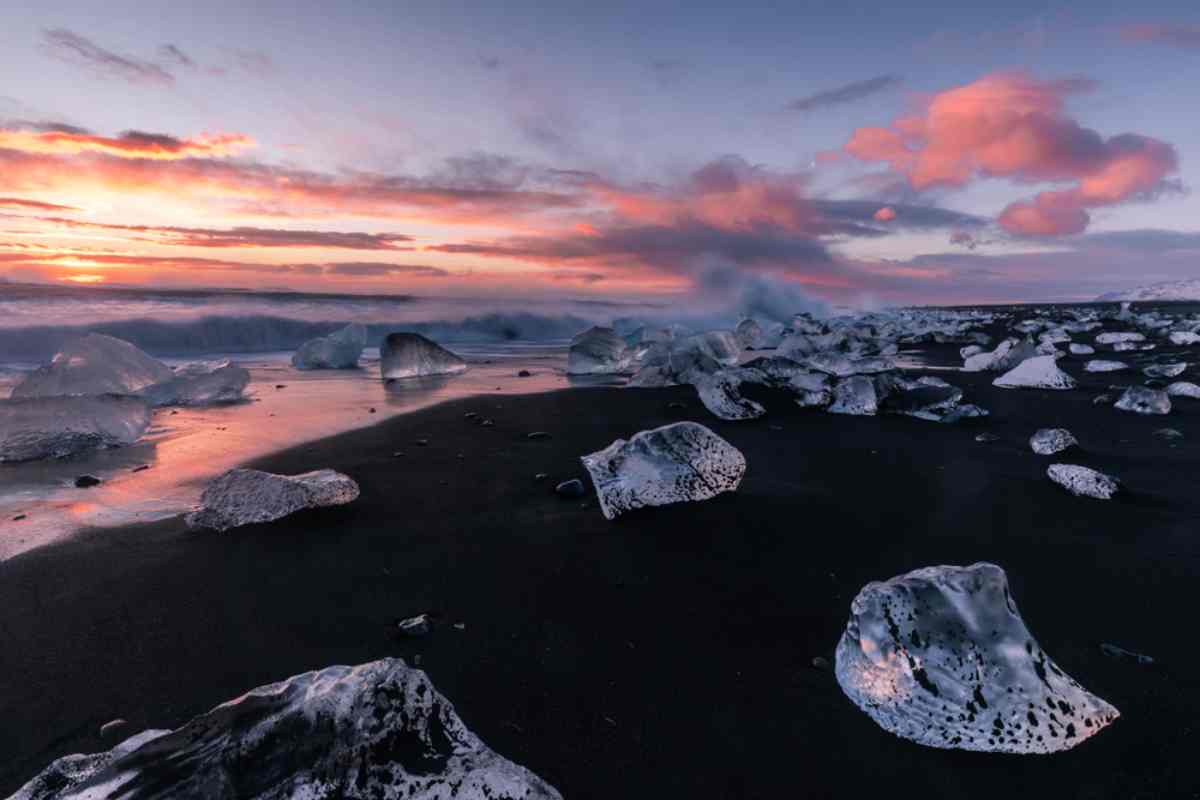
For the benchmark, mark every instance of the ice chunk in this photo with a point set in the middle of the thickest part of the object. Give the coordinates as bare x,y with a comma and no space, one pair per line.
1081,349
246,496
970,350
721,394
1144,400
598,351
1039,372
411,355
748,331
56,427
1007,355
672,464
1184,389
339,350
1049,441
942,657
1101,365
200,383
841,366
923,401
91,365
855,395
1114,338
1165,370
1122,347
1083,481
1184,337
379,730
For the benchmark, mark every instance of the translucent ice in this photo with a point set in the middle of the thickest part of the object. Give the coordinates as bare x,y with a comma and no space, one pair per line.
1007,355
942,657
1049,441
1184,389
1039,372
340,350
379,730
1102,365
672,464
721,394
200,383
247,496
1081,349
1165,370
1184,337
598,351
1083,481
855,395
1113,338
411,355
1143,400
91,365
56,427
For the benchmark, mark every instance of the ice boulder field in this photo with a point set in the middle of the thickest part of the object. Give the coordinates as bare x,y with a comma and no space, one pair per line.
825,523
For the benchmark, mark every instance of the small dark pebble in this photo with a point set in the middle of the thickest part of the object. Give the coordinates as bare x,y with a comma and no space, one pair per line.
398,454
1102,399
524,374
141,468
541,476
487,423
987,438
18,517
421,443
173,413
84,481
371,410
281,386
676,405
821,663
571,488
471,415
538,435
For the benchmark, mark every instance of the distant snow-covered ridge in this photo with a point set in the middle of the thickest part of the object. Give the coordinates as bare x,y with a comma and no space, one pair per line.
1188,289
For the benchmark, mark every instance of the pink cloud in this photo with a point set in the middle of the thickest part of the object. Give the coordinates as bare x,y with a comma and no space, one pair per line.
1012,125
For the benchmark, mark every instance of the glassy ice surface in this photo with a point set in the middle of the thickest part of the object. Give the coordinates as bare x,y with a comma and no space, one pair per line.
941,656
672,464
56,427
94,364
411,355
338,350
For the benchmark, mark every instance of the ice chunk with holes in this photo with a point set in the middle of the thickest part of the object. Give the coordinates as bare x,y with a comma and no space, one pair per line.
57,427
598,351
411,355
92,365
721,394
200,383
1048,441
942,657
338,350
1144,400
379,730
247,496
1083,481
672,464
1039,372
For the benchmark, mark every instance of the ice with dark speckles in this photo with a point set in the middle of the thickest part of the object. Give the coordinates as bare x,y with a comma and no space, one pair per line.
942,657
672,464
378,731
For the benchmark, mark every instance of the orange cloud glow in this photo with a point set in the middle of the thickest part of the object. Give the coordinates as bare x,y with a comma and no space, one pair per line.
131,144
1013,125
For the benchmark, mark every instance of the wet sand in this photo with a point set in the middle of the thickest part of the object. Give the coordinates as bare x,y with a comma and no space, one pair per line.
669,653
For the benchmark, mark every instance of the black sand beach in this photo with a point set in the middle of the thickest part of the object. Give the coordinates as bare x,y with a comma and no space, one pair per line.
669,653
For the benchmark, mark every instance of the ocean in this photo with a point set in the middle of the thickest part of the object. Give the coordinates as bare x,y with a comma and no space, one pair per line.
163,474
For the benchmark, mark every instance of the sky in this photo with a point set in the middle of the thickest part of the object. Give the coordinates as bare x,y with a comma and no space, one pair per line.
863,153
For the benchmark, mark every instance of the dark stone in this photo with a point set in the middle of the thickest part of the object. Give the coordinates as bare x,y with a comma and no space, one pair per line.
85,481
538,435
18,517
415,627
141,468
541,476
371,410
524,374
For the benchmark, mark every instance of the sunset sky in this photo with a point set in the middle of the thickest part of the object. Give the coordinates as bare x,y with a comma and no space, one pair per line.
924,152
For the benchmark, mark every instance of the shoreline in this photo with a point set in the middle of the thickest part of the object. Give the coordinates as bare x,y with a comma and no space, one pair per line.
668,652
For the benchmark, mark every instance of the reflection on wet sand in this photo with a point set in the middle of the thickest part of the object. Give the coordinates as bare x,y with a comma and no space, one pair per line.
186,447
